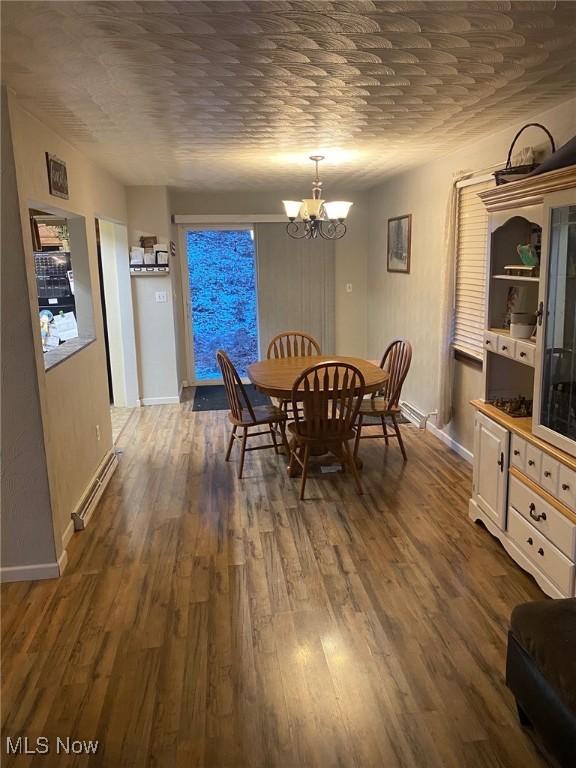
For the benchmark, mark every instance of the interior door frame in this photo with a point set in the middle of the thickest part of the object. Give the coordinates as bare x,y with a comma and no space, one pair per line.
183,229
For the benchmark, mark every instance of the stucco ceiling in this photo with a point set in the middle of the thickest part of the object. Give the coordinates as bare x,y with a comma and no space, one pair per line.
231,95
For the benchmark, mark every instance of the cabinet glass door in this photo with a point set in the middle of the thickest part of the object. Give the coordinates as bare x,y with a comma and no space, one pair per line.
558,396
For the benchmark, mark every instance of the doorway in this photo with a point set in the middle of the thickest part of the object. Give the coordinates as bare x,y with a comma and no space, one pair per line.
222,298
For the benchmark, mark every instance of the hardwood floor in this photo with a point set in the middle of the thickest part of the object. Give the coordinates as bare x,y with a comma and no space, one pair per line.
207,621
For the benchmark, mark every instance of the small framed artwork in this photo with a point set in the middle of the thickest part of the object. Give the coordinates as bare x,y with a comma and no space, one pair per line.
399,243
57,176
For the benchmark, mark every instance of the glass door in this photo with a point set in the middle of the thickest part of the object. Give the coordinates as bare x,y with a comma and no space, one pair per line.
222,284
556,399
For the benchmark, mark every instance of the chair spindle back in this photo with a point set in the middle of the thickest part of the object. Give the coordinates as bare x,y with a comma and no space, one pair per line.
293,344
330,395
396,361
235,391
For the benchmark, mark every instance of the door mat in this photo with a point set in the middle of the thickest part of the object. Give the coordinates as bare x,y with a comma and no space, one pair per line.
400,418
213,398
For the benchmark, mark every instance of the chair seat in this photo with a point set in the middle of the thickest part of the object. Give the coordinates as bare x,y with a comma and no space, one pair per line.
377,406
265,414
302,433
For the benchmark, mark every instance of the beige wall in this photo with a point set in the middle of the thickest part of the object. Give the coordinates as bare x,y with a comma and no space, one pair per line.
351,251
27,534
74,394
409,305
155,323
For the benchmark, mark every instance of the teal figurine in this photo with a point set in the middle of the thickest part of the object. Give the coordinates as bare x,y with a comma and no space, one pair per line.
528,255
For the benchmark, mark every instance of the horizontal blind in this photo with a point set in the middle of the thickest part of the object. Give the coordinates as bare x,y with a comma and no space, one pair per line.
471,255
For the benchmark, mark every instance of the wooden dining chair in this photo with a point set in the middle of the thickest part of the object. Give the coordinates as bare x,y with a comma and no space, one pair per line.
245,416
386,402
293,344
329,395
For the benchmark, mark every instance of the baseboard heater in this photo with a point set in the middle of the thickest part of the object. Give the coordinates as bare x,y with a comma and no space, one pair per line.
88,502
414,415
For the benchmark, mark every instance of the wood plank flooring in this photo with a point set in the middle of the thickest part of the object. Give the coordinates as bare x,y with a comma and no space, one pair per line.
206,621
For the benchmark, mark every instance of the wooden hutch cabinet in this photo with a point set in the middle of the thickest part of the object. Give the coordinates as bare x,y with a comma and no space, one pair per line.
524,487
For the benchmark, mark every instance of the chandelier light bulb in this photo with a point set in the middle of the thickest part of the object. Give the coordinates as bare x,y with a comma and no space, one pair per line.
292,208
312,206
337,209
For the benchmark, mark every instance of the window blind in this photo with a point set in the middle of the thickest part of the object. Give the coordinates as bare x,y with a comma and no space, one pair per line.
471,255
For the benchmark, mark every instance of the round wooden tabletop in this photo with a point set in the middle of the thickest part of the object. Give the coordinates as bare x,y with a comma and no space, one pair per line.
276,376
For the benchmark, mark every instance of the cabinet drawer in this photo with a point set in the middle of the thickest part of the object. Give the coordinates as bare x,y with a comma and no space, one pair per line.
567,486
525,352
543,517
549,560
490,341
518,455
506,346
533,462
549,474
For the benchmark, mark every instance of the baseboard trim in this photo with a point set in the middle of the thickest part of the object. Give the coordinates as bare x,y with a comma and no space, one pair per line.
160,400
450,442
67,535
63,561
31,572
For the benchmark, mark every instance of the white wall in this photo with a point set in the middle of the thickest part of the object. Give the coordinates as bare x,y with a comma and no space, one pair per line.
73,394
155,323
351,252
409,305
119,314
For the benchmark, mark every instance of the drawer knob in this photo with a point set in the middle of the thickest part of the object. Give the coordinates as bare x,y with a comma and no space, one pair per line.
516,452
530,463
504,347
541,552
565,487
547,474
536,515
522,354
488,341
529,541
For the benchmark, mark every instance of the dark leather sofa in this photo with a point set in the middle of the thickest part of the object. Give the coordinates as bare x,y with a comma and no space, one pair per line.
541,673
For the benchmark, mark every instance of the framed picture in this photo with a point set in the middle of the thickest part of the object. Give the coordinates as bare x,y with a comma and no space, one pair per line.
57,176
399,243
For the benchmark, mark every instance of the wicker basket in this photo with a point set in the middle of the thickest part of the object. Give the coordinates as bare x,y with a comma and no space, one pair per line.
517,172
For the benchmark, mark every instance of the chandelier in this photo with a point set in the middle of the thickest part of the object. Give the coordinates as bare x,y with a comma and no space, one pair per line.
313,216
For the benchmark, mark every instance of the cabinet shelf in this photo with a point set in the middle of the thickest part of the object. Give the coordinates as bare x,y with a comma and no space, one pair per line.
516,278
506,332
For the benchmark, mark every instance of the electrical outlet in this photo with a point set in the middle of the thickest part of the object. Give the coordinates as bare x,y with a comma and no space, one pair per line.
161,297
348,287
98,432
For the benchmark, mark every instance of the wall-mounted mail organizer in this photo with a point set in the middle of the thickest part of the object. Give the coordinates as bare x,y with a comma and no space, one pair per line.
145,270
150,258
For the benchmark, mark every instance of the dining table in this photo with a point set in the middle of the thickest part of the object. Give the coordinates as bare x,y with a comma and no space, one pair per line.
275,377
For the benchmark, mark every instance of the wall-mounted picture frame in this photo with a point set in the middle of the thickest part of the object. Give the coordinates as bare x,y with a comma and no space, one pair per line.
399,243
57,176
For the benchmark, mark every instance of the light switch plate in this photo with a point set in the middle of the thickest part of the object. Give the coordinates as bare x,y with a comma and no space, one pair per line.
161,297
348,287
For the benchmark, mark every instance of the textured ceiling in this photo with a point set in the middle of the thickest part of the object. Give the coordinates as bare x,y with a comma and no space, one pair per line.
231,95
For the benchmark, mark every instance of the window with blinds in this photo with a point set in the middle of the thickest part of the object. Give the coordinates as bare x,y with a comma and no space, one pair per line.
471,255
